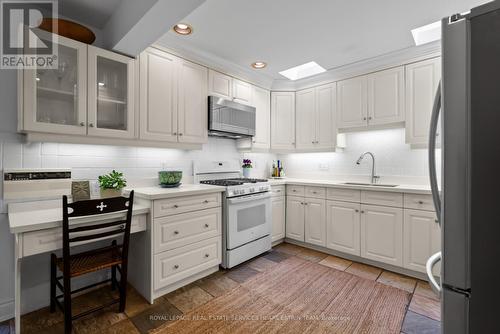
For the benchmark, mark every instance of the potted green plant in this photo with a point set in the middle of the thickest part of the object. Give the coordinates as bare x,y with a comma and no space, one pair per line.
112,184
247,165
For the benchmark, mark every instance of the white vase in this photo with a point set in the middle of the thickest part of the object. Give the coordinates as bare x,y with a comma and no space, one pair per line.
246,172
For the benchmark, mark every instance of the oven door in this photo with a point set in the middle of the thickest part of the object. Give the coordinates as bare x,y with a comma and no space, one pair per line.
248,218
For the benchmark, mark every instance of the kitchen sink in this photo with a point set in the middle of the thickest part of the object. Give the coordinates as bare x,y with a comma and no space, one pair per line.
370,184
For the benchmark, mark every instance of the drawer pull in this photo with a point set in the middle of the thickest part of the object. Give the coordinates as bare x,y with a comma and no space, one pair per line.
356,210
176,232
176,206
278,191
207,255
205,201
420,202
206,225
362,211
176,266
436,221
314,192
294,190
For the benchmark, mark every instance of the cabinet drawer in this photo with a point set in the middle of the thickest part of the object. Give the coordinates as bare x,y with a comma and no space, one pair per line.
177,264
278,191
419,202
295,190
382,198
345,195
48,240
172,206
315,192
186,228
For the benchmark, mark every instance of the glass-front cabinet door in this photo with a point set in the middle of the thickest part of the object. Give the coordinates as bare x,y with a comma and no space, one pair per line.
110,94
55,99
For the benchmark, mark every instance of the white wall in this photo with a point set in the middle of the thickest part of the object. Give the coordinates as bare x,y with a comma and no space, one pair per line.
395,160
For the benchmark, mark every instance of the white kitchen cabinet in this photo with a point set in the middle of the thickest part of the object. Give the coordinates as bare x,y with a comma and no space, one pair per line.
220,85
295,218
386,96
422,238
279,213
343,227
261,142
283,121
173,99
315,221
192,103
382,234
242,92
422,80
55,101
158,96
352,106
111,90
315,118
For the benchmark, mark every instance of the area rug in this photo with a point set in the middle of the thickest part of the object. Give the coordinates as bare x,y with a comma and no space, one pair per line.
299,296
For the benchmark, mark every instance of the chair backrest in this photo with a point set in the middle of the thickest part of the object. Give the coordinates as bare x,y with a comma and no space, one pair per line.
108,228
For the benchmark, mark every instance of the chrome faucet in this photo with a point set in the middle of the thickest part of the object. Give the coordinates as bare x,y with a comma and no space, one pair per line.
375,178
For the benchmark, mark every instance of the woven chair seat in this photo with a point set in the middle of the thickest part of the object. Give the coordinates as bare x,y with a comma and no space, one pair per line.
88,262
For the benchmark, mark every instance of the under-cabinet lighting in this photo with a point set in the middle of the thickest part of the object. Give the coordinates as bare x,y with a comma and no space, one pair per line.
303,71
428,33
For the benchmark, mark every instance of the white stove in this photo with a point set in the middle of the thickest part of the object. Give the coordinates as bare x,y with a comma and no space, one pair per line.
246,205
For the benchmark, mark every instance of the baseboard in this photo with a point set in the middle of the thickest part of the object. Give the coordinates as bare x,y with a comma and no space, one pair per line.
351,257
6,309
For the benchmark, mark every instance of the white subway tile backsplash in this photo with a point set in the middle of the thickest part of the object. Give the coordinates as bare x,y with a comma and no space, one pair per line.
32,149
32,161
50,148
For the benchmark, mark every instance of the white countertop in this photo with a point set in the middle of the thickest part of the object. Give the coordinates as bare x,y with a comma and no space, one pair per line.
158,192
39,215
402,188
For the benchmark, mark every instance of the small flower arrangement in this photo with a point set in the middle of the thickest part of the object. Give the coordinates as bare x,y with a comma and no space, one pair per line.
247,163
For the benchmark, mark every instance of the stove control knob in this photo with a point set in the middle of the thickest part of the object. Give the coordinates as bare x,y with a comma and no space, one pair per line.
236,192
252,190
242,191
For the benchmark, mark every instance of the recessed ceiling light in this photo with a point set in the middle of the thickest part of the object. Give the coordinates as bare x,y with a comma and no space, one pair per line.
428,33
303,71
258,65
183,29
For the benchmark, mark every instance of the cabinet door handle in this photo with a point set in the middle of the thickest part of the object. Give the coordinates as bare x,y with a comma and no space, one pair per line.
314,192
82,123
91,125
356,210
436,221
175,133
176,206
180,134
370,118
205,201
176,232
364,118
206,225
207,255
176,266
420,202
362,211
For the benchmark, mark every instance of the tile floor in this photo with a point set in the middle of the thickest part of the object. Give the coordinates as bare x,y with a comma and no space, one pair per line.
423,314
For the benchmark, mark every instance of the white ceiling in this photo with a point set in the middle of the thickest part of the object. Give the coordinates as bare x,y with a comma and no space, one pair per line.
91,12
286,33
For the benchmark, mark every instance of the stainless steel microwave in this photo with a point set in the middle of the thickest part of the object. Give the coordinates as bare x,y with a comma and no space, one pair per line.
230,119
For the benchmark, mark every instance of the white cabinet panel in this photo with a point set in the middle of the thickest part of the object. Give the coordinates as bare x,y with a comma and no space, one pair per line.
192,103
382,234
55,101
293,190
419,202
295,218
422,79
220,85
111,91
315,192
158,96
326,130
343,227
422,238
242,92
352,108
315,221
279,213
283,121
262,102
382,198
306,118
172,206
339,194
278,190
386,96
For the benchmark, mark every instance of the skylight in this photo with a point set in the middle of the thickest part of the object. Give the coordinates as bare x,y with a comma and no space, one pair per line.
302,71
428,33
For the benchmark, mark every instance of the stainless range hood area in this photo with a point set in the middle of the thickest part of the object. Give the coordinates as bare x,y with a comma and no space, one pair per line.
230,119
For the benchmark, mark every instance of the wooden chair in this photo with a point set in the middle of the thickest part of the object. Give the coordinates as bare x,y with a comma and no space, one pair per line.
113,257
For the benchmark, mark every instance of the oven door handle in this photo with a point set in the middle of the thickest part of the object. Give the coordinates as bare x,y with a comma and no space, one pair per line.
249,198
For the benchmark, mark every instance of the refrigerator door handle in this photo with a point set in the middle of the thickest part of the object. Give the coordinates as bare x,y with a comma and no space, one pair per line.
431,262
432,152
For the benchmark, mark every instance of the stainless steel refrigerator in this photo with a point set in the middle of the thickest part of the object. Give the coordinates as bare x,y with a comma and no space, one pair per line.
468,203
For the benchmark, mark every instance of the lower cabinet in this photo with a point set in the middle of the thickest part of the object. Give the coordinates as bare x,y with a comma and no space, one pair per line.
382,234
343,227
422,238
278,211
295,218
315,221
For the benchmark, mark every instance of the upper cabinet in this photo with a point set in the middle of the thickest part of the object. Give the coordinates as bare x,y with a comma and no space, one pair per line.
227,87
315,118
283,121
55,100
110,94
371,100
242,92
422,80
173,99
262,102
